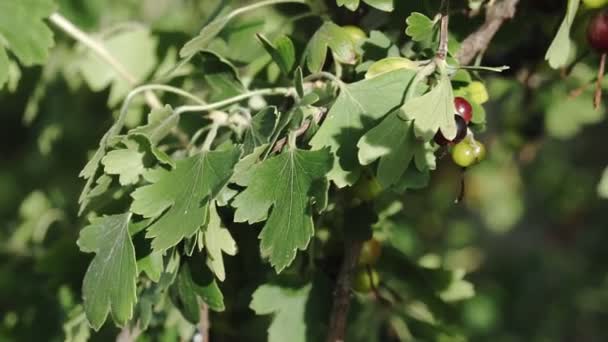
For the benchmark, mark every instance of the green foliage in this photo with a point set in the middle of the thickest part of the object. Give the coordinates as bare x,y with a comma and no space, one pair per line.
289,184
109,284
24,33
354,111
561,48
288,307
180,198
259,141
419,27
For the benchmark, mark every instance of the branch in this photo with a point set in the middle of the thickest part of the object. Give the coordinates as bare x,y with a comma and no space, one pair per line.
203,324
100,50
478,41
341,304
442,51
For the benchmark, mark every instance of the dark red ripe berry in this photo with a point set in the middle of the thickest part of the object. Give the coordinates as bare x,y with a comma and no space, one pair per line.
461,132
464,108
597,32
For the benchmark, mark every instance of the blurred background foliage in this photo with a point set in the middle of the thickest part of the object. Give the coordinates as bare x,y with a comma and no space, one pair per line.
531,232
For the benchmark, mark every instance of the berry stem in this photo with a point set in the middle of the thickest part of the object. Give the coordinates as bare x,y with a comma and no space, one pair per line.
597,99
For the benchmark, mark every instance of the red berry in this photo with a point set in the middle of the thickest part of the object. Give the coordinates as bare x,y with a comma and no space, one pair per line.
597,32
464,108
461,133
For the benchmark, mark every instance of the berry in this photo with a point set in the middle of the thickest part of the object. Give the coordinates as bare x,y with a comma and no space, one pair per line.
464,108
356,34
367,188
370,252
595,3
363,280
478,92
479,149
468,152
461,133
463,154
597,32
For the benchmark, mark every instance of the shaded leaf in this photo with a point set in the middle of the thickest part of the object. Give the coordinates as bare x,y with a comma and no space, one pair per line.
109,284
180,198
282,52
332,36
283,185
356,109
217,240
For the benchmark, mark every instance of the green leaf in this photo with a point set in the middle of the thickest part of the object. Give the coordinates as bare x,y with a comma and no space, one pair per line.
356,109
392,142
217,239
128,163
220,74
212,29
559,120
192,285
337,39
204,37
282,52
180,198
284,184
160,123
152,265
383,5
390,64
419,27
288,307
602,187
109,284
350,4
560,49
24,32
134,48
263,124
76,328
432,111
4,67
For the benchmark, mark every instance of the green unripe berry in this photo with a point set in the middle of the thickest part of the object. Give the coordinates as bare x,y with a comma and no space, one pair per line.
370,252
367,188
463,154
363,280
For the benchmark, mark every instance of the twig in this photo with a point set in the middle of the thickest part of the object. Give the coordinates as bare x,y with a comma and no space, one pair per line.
203,323
442,51
128,335
496,14
231,100
341,304
597,99
100,50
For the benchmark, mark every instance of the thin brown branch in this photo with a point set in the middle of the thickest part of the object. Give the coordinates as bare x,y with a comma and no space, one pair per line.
478,41
203,324
442,51
128,334
341,303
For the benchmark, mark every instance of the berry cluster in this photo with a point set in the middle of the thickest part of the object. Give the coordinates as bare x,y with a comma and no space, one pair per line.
466,151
